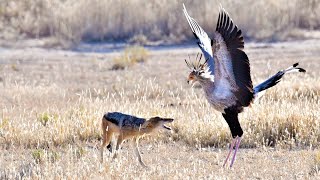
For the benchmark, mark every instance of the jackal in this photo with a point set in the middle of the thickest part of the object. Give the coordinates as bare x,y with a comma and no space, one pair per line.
128,127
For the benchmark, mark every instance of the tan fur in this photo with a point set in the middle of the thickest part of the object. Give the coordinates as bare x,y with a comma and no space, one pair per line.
110,129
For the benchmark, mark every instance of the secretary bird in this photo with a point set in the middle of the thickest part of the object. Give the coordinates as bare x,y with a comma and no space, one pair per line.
225,74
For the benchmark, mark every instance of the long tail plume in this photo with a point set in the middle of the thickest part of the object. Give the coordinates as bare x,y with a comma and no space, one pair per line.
275,79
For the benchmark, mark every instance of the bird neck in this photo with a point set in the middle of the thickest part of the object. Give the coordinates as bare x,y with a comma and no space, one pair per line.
207,86
206,83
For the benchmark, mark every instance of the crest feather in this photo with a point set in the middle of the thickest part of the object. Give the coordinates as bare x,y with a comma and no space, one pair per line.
197,65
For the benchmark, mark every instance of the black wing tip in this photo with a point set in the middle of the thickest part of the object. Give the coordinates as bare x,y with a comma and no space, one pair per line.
295,64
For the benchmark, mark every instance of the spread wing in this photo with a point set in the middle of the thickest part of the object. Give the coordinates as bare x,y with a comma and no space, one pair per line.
232,62
203,41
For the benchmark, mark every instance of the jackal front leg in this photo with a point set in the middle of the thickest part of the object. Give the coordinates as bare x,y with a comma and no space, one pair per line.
136,149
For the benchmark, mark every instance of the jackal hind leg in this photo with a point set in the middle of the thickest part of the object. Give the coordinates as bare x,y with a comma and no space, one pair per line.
106,139
119,142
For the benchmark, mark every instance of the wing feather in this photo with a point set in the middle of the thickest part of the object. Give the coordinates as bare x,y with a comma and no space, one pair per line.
203,40
239,60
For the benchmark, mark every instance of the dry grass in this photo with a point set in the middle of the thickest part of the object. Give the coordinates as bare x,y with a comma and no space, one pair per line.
52,106
68,22
130,56
315,168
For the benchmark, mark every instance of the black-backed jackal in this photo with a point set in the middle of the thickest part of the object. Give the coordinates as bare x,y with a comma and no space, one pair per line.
128,127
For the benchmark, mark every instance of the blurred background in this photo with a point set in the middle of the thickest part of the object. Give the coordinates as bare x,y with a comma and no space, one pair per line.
66,23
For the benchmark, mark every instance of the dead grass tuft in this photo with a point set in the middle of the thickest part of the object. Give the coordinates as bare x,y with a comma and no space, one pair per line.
315,169
41,156
130,56
139,39
44,118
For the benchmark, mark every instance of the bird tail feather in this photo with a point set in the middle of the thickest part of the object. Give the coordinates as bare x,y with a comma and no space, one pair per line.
259,90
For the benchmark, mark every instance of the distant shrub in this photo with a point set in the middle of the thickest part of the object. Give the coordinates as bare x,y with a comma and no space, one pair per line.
130,56
41,155
79,152
136,53
139,39
120,63
53,156
14,67
45,117
38,155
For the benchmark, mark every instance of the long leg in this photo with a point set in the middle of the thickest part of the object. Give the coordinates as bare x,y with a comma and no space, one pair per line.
119,142
231,148
231,116
136,143
106,138
235,152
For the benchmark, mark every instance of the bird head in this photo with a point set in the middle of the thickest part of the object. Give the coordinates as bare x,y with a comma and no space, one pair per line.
199,71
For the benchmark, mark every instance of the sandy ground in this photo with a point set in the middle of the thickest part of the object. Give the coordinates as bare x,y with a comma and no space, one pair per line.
73,72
